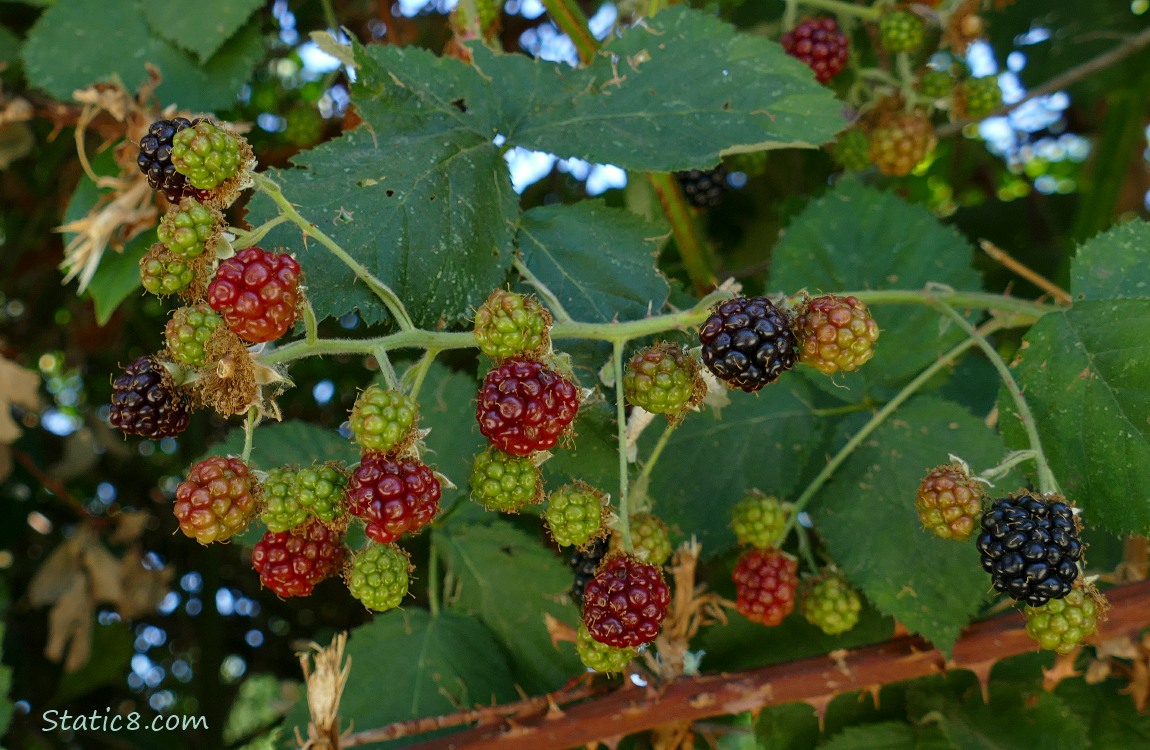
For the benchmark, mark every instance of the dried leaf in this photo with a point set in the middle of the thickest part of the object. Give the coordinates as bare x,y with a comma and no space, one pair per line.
143,588
130,524
20,387
70,627
59,573
103,569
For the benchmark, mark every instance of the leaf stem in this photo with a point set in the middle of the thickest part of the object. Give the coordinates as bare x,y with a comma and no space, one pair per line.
250,237
621,418
377,287
879,417
569,17
982,300
656,451
560,314
249,433
844,9
418,372
805,549
433,580
1046,481
692,244
311,325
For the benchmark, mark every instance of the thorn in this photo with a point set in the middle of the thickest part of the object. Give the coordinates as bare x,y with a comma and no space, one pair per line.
820,704
873,691
1063,669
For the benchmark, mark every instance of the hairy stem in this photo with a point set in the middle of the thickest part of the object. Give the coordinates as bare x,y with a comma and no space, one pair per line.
560,314
311,325
844,9
569,17
418,372
250,237
433,581
621,418
249,432
656,451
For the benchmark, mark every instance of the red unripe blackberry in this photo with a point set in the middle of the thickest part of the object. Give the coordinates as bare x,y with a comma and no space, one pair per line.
899,141
145,402
291,563
819,43
703,188
584,561
765,583
524,406
155,159
625,603
215,502
748,342
1030,547
396,496
835,334
256,293
949,502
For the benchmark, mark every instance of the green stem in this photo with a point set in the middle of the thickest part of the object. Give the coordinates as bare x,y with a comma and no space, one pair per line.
385,368
982,300
311,325
329,15
250,237
844,9
249,433
418,372
692,244
412,339
656,451
621,417
1008,463
433,581
1046,481
560,314
569,17
377,287
805,549
879,417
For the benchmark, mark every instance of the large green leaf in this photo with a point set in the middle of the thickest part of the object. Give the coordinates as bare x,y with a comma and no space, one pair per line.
9,46
599,261
1110,716
447,408
115,42
866,515
761,441
856,237
282,443
510,579
1014,719
1083,372
204,31
1113,264
887,735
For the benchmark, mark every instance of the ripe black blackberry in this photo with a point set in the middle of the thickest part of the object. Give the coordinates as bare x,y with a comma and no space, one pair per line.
748,342
1030,547
155,158
145,402
704,187
584,561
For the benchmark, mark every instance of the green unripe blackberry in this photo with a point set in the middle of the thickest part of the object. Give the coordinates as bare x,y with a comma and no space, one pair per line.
186,228
188,331
379,576
383,420
760,520
319,490
206,154
1061,625
282,510
831,605
935,84
503,482
852,150
649,537
975,98
600,656
163,273
512,325
576,514
663,379
901,31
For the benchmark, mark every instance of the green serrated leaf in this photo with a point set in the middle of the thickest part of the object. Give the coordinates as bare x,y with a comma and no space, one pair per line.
288,443
1013,720
490,563
759,441
447,408
1083,372
1109,715
856,237
407,664
867,517
1113,264
792,726
115,43
204,31
887,735
599,261
9,46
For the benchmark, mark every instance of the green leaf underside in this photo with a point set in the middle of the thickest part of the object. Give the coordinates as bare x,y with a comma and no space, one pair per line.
856,237
116,43
1083,372
489,563
408,663
204,31
867,517
760,441
599,261
1113,264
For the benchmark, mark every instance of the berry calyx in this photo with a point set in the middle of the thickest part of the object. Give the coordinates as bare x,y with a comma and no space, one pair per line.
282,510
703,188
663,379
975,98
502,482
188,228
765,583
291,563
319,490
383,420
748,342
1030,547
187,334
206,154
584,561
835,334
147,403
512,325
625,603
949,502
155,159
899,141
831,605
256,292
216,500
650,539
524,406
760,520
852,150
600,656
379,576
395,496
1060,625
901,31
818,43
576,513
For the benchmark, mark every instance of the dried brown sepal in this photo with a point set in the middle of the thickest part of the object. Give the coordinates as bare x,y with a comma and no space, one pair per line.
228,381
325,671
963,26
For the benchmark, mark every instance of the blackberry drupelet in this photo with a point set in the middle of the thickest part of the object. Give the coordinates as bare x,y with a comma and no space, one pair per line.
584,561
145,402
1030,547
703,188
748,342
155,159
